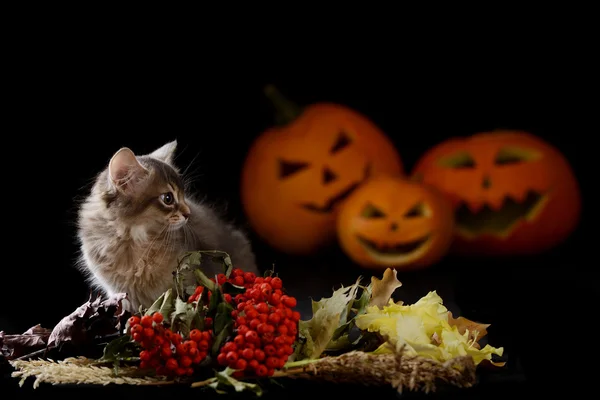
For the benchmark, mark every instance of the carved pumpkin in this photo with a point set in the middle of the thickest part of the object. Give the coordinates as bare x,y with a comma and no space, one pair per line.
295,174
513,193
396,223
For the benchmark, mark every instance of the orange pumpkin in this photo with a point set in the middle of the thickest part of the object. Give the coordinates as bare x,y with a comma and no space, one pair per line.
397,223
296,174
512,192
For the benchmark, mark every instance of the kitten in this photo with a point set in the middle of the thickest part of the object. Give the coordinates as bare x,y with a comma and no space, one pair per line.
137,221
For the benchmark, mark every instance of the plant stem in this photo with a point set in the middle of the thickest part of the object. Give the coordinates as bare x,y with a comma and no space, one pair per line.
300,363
285,109
203,383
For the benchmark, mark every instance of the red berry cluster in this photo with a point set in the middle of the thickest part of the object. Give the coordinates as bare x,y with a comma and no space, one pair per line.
238,278
265,326
167,351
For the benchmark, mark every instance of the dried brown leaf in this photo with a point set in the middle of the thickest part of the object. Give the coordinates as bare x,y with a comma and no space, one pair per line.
384,288
476,330
17,345
93,318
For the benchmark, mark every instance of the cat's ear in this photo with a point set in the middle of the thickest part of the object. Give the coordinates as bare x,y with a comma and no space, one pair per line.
125,171
165,153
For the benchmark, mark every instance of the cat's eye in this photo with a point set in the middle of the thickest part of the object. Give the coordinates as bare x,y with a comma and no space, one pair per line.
167,198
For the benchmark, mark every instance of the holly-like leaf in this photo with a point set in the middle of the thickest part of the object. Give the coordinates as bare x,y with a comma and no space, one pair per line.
225,382
382,289
327,316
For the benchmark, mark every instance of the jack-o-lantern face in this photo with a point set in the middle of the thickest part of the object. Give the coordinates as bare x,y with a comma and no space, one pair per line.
295,176
512,193
393,222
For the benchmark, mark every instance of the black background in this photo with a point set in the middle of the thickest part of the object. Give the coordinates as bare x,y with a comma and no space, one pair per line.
68,106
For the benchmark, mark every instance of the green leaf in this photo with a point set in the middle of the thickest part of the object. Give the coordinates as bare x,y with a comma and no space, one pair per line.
228,265
223,316
183,316
360,305
327,318
205,280
226,381
220,338
216,298
193,258
232,289
164,304
120,349
340,343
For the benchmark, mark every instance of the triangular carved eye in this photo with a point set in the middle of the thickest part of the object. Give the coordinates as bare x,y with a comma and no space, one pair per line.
370,211
288,168
341,142
417,211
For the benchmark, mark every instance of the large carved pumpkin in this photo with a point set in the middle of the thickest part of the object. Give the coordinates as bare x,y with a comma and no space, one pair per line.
296,174
513,193
393,222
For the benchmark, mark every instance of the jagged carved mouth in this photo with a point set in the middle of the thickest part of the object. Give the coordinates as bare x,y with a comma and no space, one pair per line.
499,222
332,202
399,249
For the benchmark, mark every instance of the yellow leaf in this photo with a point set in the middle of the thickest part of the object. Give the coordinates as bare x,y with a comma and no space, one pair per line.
426,328
384,288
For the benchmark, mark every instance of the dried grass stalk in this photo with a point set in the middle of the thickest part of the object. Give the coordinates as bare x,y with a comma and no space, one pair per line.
80,370
399,370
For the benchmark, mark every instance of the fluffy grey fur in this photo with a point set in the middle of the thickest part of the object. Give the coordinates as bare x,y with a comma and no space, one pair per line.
137,220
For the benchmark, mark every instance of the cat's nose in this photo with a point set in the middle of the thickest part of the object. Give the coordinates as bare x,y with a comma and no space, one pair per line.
185,211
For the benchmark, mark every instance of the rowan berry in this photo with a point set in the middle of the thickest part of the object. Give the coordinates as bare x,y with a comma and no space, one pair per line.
146,321
157,317
196,335
172,364
262,370
231,357
185,361
276,283
248,354
241,364
136,329
222,358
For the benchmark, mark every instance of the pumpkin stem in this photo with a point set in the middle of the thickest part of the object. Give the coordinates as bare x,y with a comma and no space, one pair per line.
286,110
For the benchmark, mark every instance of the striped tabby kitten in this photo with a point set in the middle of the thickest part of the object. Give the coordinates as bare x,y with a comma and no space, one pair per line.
137,221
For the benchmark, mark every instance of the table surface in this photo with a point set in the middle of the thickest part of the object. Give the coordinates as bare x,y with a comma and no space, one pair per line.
538,309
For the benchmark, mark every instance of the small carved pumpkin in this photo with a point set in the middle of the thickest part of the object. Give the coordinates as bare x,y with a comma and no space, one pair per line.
397,223
296,174
512,192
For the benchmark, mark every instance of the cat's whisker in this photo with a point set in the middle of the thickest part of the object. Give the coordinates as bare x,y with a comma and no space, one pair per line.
184,173
127,245
167,246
